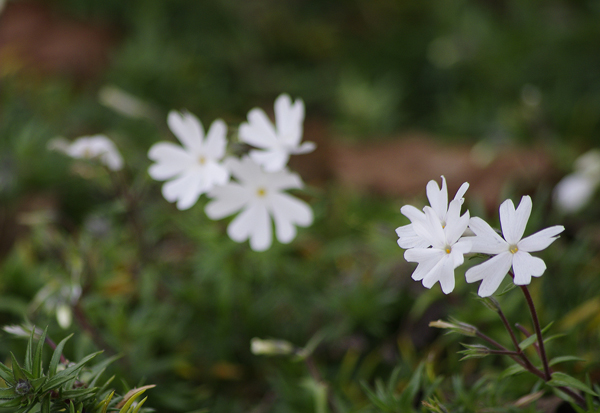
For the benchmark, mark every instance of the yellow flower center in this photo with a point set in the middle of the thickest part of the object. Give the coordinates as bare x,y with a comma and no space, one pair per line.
513,249
261,192
448,250
201,160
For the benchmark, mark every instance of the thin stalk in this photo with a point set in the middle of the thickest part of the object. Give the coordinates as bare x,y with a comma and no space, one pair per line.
528,364
538,331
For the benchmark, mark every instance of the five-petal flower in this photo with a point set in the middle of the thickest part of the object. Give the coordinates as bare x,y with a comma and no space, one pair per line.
195,168
438,199
511,251
276,144
438,262
260,197
90,147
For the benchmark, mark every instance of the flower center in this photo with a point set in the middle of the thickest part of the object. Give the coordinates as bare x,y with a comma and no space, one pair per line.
201,160
448,249
87,153
513,249
261,192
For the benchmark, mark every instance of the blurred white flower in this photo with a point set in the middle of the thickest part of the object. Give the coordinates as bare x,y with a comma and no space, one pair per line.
438,199
259,346
279,142
512,250
447,248
260,197
124,103
90,147
195,168
574,191
24,331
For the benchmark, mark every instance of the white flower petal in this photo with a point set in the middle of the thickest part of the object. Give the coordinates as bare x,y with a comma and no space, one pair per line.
242,226
261,236
427,258
492,272
272,160
227,200
438,198
214,174
526,266
258,131
306,147
286,207
461,192
408,238
216,140
187,128
541,239
185,189
282,180
442,272
171,160
513,221
412,213
289,119
430,229
245,170
462,247
455,226
487,240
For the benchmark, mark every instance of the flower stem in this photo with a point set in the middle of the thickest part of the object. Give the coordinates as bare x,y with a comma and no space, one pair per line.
538,331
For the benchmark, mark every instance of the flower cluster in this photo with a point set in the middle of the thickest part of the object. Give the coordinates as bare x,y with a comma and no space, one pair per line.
254,184
438,238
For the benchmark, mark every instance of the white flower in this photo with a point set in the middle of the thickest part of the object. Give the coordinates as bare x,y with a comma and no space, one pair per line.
260,197
90,147
438,198
277,144
512,250
447,250
574,191
193,169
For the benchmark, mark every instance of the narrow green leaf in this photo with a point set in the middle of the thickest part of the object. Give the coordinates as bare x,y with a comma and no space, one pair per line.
45,404
37,383
17,371
7,394
506,289
528,342
564,380
512,370
547,327
56,356
36,369
140,404
563,359
29,351
409,393
131,399
553,337
67,374
106,402
7,374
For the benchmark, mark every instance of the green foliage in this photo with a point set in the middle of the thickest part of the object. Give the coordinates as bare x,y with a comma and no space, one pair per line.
59,386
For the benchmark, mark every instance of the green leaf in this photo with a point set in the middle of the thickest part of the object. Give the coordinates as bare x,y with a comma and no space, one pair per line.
528,342
555,336
140,404
564,380
36,369
7,374
8,394
29,351
563,359
37,383
506,289
130,397
106,402
67,374
56,356
512,370
547,327
16,369
410,392
45,404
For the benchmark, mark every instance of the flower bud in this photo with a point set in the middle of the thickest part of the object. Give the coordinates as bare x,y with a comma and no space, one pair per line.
455,326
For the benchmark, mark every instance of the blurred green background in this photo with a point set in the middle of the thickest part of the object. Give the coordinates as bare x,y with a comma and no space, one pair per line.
181,301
